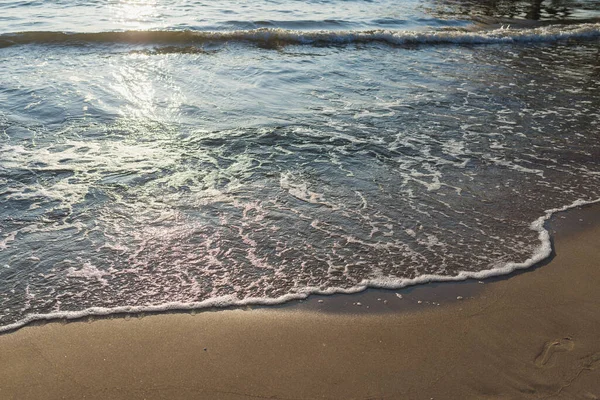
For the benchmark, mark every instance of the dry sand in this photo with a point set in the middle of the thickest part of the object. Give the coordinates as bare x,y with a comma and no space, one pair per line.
535,335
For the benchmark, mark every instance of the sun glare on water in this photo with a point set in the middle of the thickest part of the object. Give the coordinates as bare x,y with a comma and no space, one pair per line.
136,14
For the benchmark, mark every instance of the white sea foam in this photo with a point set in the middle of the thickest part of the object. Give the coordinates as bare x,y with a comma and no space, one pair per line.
542,252
88,271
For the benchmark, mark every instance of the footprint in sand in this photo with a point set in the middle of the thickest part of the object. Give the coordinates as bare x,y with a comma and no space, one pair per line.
554,346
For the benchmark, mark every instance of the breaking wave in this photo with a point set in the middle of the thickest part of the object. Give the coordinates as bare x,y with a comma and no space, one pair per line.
282,37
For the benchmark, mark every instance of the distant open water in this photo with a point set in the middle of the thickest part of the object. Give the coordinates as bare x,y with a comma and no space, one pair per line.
192,154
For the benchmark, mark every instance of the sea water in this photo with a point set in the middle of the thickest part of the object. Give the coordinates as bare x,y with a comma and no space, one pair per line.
187,154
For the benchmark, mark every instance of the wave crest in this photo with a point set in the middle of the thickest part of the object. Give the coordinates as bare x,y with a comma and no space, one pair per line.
271,37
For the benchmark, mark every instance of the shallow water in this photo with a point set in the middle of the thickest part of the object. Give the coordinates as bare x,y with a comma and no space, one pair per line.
151,171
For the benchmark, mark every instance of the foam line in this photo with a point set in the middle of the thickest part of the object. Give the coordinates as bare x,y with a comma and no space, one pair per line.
282,37
543,251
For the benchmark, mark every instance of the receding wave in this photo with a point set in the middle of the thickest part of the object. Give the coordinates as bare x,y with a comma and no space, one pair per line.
282,37
541,253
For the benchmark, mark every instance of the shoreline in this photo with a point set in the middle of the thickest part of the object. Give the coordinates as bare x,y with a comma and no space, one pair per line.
566,223
432,289
527,335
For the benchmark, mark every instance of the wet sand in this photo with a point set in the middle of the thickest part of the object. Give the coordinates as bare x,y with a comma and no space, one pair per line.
534,335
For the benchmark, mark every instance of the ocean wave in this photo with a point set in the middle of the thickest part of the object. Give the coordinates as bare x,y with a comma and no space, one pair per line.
280,37
540,254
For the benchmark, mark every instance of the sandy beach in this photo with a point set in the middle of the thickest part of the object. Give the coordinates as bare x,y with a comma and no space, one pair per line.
534,335
187,188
